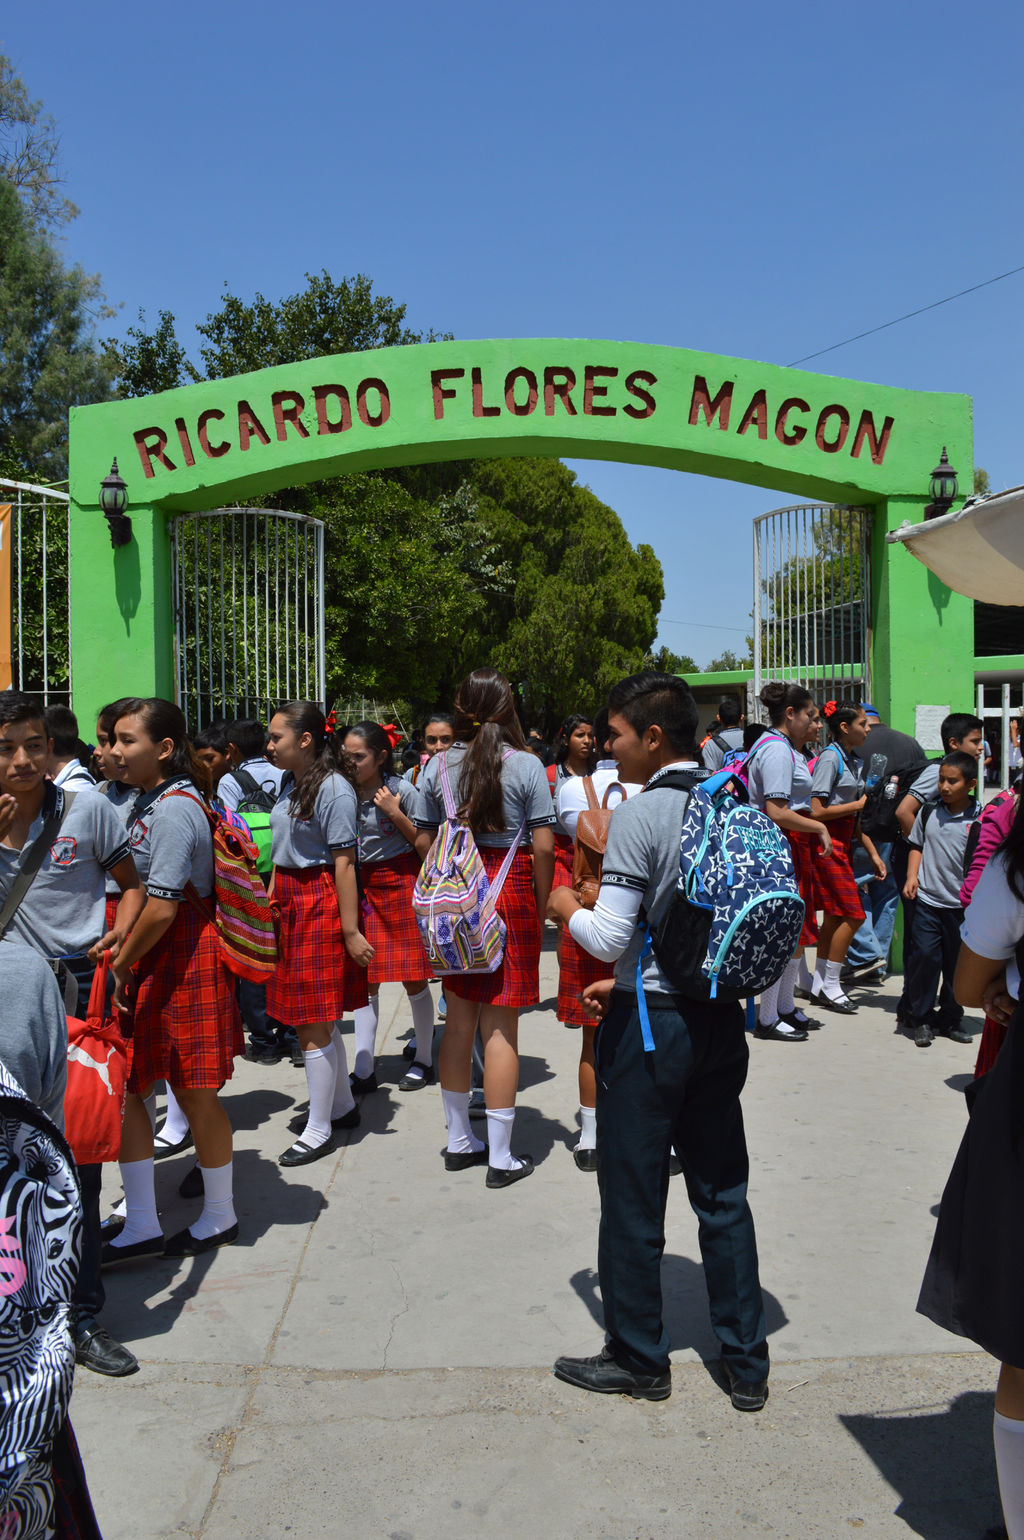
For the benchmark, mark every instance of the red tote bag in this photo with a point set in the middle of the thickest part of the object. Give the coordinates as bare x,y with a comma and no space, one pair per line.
99,1059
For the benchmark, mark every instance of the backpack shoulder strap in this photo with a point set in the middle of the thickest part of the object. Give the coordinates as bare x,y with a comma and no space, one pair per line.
612,786
591,792
248,783
52,826
446,786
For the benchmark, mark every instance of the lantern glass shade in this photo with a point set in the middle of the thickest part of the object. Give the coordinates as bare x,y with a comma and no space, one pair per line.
943,482
113,492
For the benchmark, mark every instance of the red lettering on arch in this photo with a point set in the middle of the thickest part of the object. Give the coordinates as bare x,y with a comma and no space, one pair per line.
521,408
287,405
212,451
843,416
321,395
649,403
757,412
378,418
151,443
591,374
876,444
558,382
441,392
183,440
479,410
250,427
782,431
701,402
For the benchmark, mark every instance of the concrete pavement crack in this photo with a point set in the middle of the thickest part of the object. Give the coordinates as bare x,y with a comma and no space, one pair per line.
396,1317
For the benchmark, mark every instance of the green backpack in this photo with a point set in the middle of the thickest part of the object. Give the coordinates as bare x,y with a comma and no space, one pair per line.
254,807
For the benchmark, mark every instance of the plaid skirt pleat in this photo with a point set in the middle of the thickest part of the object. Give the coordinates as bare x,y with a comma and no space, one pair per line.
838,892
576,969
110,904
186,1027
315,979
803,847
516,983
564,849
389,924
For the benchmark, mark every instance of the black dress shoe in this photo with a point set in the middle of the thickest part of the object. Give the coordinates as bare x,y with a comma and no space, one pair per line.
773,1035
299,1154
496,1177
192,1184
350,1119
96,1349
746,1395
956,1034
111,1255
586,1160
111,1226
163,1151
842,1006
609,1378
362,1085
793,1020
461,1160
185,1244
417,1076
923,1036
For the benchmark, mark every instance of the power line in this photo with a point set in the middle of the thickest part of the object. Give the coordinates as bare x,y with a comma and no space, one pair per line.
871,332
703,624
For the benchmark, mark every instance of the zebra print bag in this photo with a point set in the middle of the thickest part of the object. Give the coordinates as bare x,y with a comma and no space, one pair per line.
40,1242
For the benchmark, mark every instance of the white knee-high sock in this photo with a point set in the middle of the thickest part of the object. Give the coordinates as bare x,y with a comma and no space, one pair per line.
499,1137
804,980
768,1006
1008,1437
820,964
175,1122
422,1007
367,1018
461,1139
218,1204
787,984
588,1129
344,1101
141,1221
321,1073
831,988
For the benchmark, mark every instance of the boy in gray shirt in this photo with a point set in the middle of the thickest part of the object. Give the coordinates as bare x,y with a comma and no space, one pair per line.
935,872
685,1094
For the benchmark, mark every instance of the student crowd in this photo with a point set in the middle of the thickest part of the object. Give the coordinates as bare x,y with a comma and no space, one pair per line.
127,868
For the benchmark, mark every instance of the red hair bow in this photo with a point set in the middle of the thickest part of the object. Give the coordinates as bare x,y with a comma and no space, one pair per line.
332,722
830,708
391,732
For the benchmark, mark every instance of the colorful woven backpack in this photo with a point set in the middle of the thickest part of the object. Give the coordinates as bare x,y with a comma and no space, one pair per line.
241,912
454,900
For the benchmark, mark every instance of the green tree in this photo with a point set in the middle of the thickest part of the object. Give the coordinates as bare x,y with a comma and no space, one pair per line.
665,661
30,153
727,661
48,359
982,486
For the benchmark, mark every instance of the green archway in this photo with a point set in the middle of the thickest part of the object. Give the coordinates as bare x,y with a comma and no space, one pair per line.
226,440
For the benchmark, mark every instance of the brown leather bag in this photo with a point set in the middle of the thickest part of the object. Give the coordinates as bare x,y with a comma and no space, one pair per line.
591,841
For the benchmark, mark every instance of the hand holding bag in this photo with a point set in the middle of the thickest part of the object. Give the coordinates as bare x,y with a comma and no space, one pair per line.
99,1060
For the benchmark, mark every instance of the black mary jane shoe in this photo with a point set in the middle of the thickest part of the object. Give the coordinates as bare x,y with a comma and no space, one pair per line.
792,1019
362,1085
185,1244
461,1160
112,1256
496,1177
586,1160
299,1154
841,1007
417,1076
773,1035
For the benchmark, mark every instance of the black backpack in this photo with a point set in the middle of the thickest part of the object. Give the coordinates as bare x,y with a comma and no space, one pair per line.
879,812
40,1244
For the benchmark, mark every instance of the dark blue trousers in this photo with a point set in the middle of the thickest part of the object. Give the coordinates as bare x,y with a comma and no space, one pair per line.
936,947
686,1095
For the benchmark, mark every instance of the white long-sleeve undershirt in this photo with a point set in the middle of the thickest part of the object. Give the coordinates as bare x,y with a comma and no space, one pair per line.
605,930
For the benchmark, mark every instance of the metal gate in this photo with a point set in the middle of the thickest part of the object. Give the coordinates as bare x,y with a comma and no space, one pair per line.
35,654
249,612
812,597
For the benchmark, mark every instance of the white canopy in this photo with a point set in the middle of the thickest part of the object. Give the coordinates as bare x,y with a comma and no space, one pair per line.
978,551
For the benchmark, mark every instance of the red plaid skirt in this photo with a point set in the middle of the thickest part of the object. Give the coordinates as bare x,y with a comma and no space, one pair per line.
315,978
187,1029
803,847
992,1036
110,910
576,969
517,982
389,924
564,849
838,893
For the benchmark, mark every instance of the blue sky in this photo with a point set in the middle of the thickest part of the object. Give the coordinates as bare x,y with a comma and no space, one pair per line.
748,179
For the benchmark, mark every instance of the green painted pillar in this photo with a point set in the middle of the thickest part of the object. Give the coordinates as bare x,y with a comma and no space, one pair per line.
121,613
922,649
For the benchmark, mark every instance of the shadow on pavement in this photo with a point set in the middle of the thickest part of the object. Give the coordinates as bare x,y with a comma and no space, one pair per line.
684,1306
250,1109
941,1463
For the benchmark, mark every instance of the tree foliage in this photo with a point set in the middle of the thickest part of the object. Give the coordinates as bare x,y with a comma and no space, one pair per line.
30,153
665,661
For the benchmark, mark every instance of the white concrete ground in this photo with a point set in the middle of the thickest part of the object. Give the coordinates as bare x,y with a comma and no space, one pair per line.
373,1358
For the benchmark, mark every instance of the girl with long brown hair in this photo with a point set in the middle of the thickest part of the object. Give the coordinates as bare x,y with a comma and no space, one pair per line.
502,793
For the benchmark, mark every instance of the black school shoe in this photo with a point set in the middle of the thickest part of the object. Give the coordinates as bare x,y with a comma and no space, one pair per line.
609,1378
807,1025
773,1035
746,1395
97,1350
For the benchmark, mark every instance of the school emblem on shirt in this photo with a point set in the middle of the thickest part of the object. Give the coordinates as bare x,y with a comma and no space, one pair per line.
138,834
63,850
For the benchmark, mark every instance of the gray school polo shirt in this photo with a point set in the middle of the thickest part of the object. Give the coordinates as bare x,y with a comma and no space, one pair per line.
379,840
775,770
837,777
643,854
926,787
713,754
122,799
944,844
171,841
298,842
267,776
63,911
525,792
33,1028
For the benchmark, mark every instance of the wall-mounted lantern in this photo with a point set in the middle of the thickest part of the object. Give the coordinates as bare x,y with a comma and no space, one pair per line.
114,502
942,487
